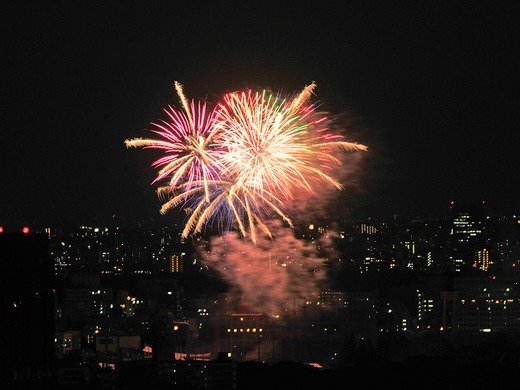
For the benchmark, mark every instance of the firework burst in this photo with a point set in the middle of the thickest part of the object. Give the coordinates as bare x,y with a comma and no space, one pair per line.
191,157
282,146
238,164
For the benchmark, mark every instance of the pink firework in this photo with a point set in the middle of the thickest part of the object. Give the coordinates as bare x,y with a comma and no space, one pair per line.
188,140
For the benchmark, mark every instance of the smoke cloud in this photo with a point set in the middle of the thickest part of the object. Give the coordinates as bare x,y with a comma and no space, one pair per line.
273,275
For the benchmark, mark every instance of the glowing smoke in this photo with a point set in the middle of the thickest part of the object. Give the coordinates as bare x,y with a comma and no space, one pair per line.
271,273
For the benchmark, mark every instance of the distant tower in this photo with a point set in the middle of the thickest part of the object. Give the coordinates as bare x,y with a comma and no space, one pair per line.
27,310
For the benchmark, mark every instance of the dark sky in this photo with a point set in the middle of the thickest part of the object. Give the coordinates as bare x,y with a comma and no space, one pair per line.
433,87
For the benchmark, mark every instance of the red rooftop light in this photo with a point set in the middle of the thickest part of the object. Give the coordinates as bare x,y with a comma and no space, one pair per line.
25,230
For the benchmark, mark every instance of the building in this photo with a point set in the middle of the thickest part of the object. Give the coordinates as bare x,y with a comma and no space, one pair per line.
486,304
468,232
27,305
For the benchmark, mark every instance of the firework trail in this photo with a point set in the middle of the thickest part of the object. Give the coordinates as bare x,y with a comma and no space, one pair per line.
241,162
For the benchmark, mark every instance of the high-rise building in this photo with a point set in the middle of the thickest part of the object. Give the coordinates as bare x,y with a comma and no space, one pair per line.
467,233
27,305
468,221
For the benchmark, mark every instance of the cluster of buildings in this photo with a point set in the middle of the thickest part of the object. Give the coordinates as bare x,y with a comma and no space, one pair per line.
92,303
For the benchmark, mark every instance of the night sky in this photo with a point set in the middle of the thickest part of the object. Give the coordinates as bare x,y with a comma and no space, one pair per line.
431,88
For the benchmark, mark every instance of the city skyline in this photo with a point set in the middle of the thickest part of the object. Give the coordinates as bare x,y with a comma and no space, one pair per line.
128,304
428,88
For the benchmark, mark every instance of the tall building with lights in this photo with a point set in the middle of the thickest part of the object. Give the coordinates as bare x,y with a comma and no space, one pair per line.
468,225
